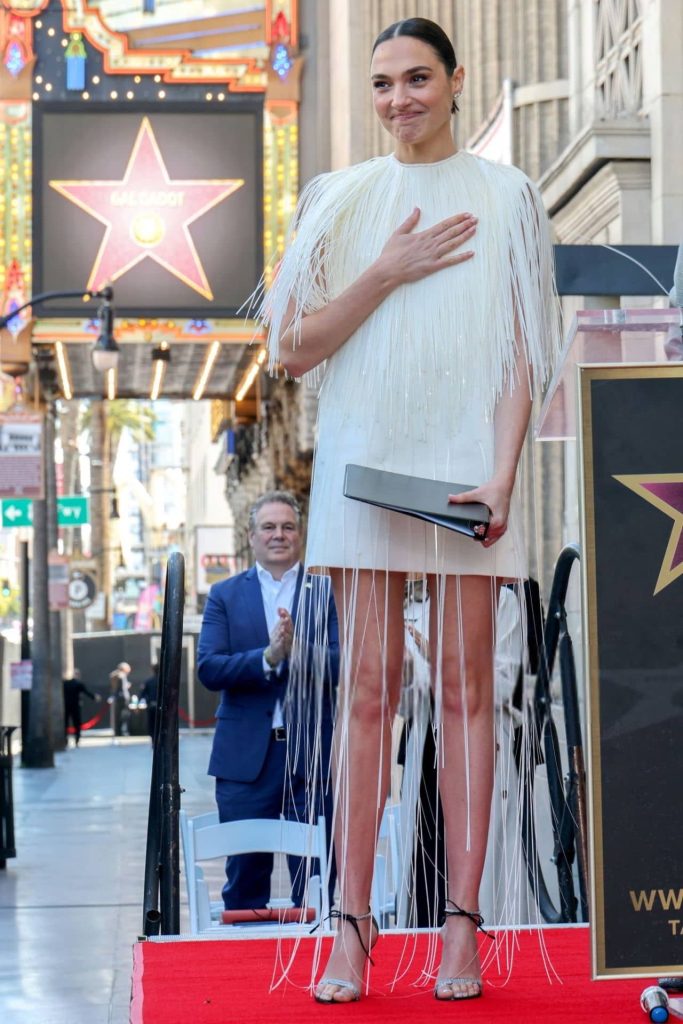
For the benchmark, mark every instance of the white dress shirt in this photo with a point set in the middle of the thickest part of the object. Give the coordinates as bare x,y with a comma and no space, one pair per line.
276,594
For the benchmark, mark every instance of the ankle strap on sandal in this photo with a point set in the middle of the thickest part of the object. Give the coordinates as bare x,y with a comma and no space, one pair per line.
353,920
474,916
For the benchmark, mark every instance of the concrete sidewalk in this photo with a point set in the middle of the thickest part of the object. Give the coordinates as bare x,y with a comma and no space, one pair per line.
71,901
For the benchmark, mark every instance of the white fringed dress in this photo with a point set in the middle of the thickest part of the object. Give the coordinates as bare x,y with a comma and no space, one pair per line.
414,389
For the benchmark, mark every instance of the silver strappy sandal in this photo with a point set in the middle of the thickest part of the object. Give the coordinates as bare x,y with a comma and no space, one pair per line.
476,919
350,986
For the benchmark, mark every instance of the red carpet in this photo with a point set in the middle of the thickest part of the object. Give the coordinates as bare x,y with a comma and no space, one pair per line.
228,981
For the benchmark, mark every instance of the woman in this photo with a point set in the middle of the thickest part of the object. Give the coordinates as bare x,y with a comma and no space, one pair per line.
419,287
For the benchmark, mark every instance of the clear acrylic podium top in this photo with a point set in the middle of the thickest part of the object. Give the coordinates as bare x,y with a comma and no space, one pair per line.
605,336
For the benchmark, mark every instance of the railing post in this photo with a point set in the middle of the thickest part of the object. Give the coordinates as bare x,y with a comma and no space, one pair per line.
161,909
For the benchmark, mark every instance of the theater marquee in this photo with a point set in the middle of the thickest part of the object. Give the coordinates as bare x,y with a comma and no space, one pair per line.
166,206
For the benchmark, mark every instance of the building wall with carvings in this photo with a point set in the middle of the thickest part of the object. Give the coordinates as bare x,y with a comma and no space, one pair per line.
274,453
618,180
495,40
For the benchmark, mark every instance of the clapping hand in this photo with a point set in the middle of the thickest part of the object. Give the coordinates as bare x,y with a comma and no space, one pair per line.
281,636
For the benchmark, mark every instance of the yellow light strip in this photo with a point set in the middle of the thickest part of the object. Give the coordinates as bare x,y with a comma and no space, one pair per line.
250,375
157,378
203,378
63,367
247,381
111,384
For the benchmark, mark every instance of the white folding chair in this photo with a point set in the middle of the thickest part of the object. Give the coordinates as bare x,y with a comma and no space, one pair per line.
402,817
194,875
205,839
383,892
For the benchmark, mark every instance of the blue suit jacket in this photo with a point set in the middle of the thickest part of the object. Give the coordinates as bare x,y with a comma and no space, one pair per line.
233,638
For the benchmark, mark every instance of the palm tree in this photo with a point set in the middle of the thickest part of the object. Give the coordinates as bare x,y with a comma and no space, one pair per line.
105,422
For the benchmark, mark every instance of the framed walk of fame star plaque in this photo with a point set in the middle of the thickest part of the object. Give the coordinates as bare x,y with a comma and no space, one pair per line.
632,466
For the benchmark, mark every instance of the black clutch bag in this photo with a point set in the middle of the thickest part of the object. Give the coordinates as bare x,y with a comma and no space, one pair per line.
417,497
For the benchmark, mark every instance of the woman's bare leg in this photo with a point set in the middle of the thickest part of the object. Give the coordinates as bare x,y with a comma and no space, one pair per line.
370,609
462,638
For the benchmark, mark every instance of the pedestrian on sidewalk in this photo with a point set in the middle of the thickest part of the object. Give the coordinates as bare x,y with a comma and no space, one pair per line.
74,689
119,699
149,694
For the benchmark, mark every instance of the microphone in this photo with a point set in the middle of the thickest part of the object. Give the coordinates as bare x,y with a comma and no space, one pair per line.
674,343
676,293
655,1003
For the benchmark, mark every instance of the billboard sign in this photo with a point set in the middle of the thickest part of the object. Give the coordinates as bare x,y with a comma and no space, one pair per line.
21,456
165,205
57,581
21,675
214,558
82,583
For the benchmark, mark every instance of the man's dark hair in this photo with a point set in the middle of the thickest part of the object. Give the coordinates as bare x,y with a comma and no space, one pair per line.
280,497
428,32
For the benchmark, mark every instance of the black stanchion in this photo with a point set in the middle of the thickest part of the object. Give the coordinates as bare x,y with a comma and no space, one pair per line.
161,905
25,577
566,797
7,847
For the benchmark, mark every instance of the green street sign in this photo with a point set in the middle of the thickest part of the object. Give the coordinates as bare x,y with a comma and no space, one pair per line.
17,512
72,511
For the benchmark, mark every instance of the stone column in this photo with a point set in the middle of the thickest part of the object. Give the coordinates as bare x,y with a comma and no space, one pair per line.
55,630
37,749
663,103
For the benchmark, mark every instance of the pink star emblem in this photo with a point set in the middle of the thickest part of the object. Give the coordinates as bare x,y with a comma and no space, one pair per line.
665,492
147,215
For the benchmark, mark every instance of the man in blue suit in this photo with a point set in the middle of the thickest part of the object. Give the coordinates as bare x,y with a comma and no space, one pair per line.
248,630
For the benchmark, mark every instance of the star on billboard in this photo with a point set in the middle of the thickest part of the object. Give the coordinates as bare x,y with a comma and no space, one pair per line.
147,215
165,206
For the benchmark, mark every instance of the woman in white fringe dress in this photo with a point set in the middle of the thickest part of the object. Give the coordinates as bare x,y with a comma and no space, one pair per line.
418,289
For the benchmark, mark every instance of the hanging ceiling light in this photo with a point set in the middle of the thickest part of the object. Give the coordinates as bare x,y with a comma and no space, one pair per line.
161,357
105,352
205,372
64,370
111,378
250,376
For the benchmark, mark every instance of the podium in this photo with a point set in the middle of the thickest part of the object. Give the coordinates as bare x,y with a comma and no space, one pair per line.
619,390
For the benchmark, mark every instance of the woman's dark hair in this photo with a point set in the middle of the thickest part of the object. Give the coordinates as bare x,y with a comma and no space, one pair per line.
429,32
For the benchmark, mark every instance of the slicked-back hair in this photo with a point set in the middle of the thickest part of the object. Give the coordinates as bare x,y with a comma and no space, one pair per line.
428,32
274,497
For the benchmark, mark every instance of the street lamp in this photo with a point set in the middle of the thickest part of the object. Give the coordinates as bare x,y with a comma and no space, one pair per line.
105,353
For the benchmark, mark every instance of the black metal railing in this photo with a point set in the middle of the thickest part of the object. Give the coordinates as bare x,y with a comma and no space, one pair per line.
7,844
566,790
161,907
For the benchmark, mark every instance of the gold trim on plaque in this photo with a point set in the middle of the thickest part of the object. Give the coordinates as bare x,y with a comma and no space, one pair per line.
591,663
